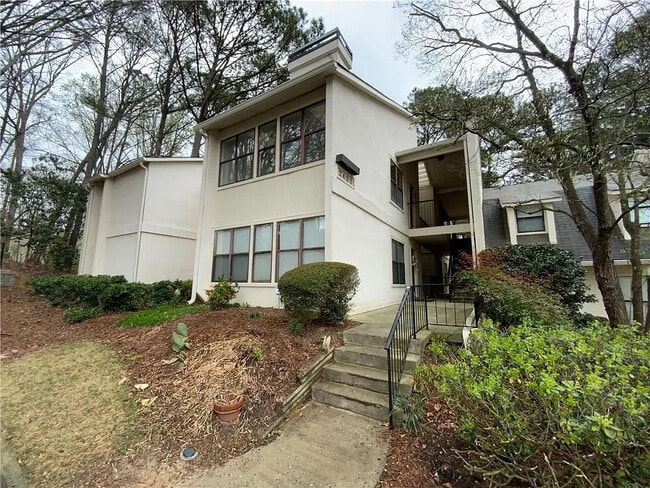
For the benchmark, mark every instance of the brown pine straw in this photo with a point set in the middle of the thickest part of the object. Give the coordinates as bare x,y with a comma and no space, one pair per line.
219,370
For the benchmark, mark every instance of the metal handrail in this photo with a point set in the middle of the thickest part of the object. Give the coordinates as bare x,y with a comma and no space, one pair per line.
411,317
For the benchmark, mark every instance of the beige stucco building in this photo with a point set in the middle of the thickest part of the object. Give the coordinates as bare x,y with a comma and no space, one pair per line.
325,167
141,220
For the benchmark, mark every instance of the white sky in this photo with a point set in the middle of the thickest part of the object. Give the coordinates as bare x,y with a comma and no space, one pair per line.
372,28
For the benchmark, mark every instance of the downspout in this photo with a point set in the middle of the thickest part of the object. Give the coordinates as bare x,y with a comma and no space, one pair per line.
199,229
139,240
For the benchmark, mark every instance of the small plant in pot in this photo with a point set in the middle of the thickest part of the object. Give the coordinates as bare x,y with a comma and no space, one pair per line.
228,405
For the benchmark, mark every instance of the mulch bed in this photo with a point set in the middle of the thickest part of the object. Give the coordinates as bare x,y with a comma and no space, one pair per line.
29,323
430,458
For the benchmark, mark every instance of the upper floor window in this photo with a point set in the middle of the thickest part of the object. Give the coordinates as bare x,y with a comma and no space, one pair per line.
237,158
303,136
266,148
530,218
396,185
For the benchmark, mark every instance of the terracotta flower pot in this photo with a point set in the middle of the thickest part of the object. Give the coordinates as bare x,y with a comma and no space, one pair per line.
228,410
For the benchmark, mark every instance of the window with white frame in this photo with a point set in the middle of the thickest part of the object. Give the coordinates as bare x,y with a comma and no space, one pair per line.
399,267
530,218
396,185
231,254
300,242
643,209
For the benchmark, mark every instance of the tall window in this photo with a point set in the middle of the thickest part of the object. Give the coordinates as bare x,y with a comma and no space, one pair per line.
530,218
303,136
300,242
399,269
231,251
237,158
266,148
396,185
262,249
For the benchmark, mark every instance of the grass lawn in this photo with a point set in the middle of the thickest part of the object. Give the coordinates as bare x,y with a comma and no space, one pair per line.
64,409
158,315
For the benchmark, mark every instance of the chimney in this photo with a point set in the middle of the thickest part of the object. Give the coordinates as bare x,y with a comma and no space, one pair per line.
331,46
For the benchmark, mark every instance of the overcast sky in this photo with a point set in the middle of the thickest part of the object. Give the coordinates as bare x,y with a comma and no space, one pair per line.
371,28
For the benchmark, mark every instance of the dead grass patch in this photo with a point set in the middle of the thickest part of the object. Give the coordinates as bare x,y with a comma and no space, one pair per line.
223,368
63,409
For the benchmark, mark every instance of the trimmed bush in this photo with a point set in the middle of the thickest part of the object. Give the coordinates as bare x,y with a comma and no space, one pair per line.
510,301
551,406
108,293
319,291
73,290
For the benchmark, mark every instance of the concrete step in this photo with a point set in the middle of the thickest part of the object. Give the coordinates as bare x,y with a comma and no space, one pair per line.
373,357
373,335
372,379
364,402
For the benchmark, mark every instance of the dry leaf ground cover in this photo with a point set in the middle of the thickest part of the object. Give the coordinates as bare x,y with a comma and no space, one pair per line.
174,410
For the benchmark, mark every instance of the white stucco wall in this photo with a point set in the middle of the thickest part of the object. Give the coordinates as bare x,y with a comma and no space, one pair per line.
164,257
120,255
363,220
91,228
142,223
285,195
126,203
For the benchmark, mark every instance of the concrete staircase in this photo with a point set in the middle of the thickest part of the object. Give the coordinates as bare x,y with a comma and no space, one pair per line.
357,379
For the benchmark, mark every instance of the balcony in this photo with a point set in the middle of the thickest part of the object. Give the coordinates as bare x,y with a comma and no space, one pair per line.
431,215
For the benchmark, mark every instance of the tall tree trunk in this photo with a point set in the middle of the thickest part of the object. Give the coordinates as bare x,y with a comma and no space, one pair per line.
608,283
646,327
196,145
13,193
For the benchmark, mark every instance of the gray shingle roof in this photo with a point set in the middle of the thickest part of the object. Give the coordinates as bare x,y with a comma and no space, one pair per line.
568,236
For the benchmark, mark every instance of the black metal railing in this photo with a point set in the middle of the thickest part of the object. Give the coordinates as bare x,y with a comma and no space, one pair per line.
411,317
450,304
427,213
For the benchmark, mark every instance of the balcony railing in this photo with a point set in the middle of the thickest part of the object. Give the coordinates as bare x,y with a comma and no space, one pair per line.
431,213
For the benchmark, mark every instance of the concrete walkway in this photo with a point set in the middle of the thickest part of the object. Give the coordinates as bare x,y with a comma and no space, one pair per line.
321,447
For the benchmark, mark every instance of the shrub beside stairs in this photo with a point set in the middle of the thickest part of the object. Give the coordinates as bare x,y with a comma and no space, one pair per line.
357,378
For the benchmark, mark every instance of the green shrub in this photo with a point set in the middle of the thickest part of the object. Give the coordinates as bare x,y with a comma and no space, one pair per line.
222,293
79,314
551,406
158,315
73,290
124,297
319,291
109,293
554,269
510,301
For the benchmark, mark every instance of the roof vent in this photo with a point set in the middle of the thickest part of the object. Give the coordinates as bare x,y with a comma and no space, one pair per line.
331,46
